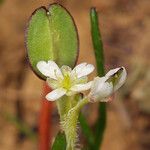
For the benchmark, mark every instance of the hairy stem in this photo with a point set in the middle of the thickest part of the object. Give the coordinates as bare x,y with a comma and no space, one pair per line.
70,124
63,105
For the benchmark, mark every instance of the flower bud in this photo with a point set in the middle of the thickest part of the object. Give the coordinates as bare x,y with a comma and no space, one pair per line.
102,88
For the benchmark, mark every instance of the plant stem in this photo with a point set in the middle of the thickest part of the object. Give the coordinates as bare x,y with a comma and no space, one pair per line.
98,49
45,122
63,105
85,127
81,103
70,124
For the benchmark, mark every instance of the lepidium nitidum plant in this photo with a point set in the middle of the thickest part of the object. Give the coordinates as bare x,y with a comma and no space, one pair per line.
67,84
52,59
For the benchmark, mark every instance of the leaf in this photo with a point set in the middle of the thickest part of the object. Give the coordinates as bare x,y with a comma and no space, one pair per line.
97,42
51,35
60,142
86,130
98,49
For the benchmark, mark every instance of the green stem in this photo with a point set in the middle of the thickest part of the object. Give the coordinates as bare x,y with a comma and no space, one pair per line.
64,105
86,130
98,49
70,124
81,103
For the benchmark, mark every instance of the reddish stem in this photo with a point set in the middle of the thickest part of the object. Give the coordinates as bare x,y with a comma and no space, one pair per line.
45,121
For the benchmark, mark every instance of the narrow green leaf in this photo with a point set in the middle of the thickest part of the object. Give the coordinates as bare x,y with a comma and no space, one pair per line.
51,35
86,130
97,42
100,125
60,142
98,49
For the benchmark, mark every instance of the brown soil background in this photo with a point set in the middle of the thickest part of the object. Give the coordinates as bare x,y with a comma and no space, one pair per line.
125,29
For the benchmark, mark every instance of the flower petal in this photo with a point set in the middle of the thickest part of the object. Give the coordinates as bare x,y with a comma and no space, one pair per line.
81,87
96,84
52,83
49,69
81,80
44,68
56,70
66,70
82,69
112,72
56,94
100,89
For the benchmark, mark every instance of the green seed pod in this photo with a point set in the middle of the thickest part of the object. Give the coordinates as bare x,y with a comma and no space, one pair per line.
51,34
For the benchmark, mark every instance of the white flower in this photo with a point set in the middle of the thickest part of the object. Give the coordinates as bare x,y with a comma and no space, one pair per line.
102,88
64,80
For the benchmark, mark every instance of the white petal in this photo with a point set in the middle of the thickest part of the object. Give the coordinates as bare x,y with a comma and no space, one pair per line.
66,70
96,84
43,68
105,90
81,87
111,72
52,83
56,94
56,70
79,67
83,69
81,80
100,89
49,69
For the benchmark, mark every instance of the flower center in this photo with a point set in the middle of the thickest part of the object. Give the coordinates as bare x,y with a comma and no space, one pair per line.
66,83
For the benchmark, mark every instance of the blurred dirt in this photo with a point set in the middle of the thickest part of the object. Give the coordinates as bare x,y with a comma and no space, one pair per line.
124,26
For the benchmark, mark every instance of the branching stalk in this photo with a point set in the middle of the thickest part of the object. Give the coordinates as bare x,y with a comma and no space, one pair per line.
70,124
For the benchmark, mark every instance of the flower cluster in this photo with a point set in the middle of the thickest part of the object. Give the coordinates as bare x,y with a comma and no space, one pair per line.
65,81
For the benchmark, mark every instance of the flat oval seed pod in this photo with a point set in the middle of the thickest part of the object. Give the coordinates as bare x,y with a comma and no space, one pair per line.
51,35
64,35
